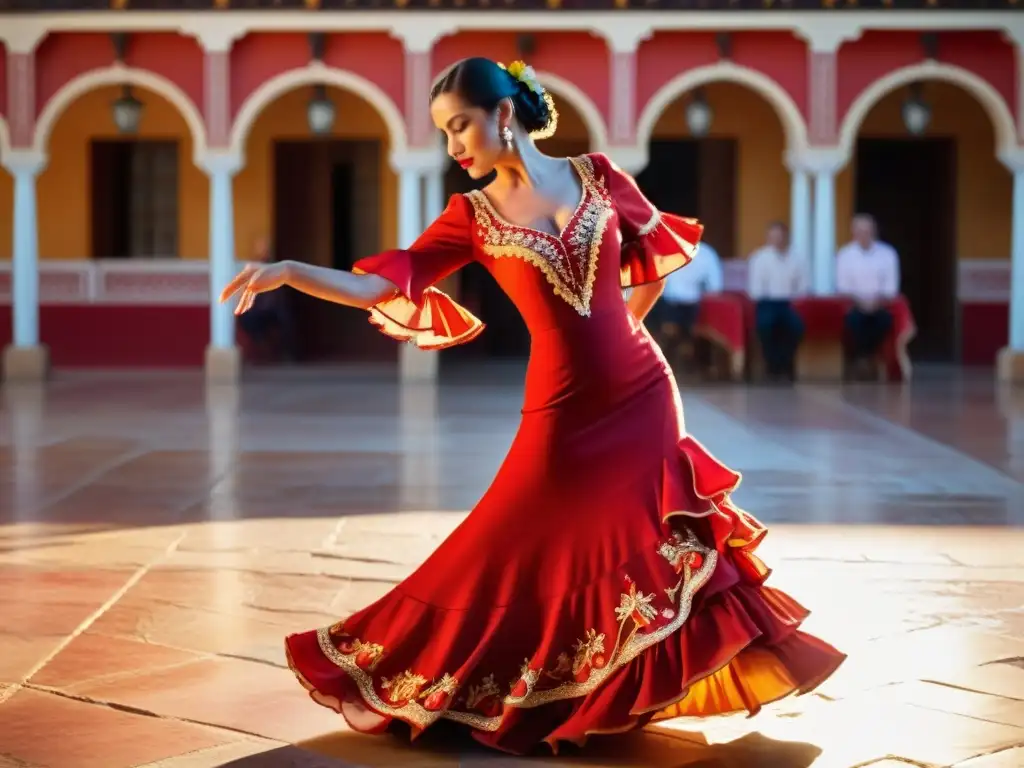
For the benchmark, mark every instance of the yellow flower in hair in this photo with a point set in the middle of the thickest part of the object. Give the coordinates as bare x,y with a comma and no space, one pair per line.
524,73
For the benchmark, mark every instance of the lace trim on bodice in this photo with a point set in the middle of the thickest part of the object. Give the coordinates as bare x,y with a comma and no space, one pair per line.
569,260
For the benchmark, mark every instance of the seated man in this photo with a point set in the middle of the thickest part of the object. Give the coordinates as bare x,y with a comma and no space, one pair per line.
674,316
775,277
868,271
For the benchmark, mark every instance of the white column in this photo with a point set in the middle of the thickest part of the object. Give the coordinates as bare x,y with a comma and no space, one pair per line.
410,224
1017,264
25,266
824,270
800,213
26,359
222,356
433,195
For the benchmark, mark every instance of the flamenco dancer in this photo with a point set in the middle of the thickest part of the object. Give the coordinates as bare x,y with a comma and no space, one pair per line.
606,579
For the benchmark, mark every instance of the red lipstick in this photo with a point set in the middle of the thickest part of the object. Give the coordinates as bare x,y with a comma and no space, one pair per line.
466,162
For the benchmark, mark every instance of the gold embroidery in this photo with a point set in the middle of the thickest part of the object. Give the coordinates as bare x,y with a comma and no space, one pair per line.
590,666
571,270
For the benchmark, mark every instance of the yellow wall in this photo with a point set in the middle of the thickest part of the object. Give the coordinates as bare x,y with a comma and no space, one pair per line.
6,214
762,183
64,186
286,119
984,185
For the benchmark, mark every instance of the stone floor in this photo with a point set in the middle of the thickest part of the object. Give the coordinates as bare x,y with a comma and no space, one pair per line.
157,541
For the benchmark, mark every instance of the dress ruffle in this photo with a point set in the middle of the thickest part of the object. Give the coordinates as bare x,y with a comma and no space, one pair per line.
666,243
423,315
684,627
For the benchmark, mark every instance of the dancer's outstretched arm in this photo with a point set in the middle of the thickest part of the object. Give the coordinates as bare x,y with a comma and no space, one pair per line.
335,285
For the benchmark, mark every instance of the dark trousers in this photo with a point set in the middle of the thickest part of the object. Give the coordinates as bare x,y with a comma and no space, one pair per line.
867,331
682,315
779,329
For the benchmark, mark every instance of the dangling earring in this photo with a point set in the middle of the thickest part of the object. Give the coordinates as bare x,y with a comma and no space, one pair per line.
506,136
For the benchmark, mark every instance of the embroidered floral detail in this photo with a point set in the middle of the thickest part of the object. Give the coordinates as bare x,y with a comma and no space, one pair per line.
572,676
569,260
589,655
403,688
485,697
439,695
523,687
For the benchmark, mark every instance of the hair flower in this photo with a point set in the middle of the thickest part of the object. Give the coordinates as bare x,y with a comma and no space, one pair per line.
525,74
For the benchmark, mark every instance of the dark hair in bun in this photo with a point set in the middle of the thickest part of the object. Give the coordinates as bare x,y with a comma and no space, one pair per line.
483,83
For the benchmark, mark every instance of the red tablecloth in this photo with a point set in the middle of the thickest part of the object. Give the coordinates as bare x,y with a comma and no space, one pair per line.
825,318
721,319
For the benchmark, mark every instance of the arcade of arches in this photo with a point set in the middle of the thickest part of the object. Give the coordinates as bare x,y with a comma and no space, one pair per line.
944,199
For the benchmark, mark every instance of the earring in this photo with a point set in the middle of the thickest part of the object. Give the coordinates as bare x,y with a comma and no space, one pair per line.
506,136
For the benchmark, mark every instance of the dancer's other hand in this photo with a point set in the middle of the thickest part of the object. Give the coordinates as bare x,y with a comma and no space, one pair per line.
255,279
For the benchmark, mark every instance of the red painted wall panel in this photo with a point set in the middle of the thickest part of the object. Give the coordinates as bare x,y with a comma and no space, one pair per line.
3,80
256,58
63,56
578,57
127,336
779,55
878,53
985,329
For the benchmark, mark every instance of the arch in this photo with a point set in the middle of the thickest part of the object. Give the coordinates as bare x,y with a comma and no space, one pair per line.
5,139
793,125
994,104
561,88
317,73
118,74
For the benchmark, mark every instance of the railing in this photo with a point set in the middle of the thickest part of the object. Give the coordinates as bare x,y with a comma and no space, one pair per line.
116,281
763,6
184,282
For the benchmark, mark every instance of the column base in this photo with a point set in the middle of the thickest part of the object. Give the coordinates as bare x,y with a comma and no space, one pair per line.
223,365
417,365
26,364
1010,366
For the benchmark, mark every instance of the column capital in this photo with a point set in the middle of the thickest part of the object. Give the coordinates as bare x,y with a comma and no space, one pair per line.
215,35
631,159
625,36
215,162
817,160
418,161
826,35
24,162
1013,159
419,36
22,35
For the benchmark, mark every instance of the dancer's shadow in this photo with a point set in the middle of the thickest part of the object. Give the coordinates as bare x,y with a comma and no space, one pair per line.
650,748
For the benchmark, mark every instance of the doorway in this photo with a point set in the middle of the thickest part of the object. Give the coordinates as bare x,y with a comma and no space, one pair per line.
909,186
695,177
320,219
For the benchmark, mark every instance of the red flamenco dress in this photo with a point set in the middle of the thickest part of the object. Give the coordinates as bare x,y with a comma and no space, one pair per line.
605,579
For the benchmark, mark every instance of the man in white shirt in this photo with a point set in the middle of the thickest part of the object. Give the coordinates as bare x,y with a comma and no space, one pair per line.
680,300
776,276
868,271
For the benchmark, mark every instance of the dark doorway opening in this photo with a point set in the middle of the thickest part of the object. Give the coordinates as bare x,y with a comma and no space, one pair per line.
696,177
327,212
909,186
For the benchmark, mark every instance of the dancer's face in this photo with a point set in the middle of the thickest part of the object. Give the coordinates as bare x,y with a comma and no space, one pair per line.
474,135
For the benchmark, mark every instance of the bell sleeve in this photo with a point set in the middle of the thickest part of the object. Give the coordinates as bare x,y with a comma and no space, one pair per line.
654,244
417,312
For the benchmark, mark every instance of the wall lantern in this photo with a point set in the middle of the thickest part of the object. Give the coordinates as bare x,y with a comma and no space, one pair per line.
320,112
917,115
699,115
127,112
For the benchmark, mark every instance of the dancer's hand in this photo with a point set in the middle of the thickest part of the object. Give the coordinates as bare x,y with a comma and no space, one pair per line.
252,280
